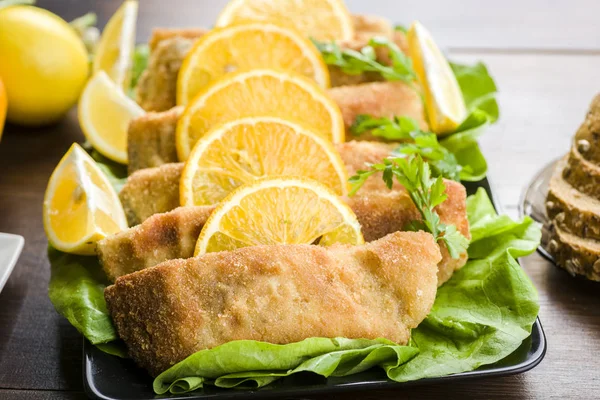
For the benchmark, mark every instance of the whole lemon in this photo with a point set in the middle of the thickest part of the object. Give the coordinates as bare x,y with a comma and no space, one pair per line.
43,64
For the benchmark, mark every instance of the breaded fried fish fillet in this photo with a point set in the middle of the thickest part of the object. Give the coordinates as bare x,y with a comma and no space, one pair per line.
378,99
173,234
162,237
278,294
157,87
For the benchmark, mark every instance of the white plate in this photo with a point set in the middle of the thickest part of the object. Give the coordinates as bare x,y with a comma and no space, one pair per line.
10,248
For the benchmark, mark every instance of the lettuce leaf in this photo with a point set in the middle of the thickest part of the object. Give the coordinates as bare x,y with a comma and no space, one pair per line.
480,316
252,364
478,88
76,290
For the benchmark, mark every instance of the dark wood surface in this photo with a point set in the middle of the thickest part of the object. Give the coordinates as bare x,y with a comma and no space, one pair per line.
545,57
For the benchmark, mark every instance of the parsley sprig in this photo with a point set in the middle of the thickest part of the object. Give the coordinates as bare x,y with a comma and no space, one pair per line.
425,192
354,62
405,129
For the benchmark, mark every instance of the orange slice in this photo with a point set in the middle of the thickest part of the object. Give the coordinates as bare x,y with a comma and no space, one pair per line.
246,46
319,19
247,149
259,92
284,210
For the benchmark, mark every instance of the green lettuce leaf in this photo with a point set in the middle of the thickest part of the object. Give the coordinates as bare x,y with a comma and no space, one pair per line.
478,88
141,55
480,316
487,309
252,364
76,290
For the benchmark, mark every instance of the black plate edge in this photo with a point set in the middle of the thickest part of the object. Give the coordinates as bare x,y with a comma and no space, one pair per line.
537,332
535,359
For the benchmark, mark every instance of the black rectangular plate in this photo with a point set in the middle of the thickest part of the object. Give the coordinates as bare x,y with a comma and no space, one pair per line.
112,378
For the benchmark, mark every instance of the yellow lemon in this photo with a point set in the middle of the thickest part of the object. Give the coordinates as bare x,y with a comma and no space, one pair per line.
444,101
258,92
114,54
80,205
43,63
246,46
282,210
104,115
247,149
319,19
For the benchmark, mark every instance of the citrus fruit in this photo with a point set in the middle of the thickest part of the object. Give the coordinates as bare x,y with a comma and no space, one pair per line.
80,205
246,46
104,115
444,102
319,19
114,54
282,210
258,92
43,64
247,149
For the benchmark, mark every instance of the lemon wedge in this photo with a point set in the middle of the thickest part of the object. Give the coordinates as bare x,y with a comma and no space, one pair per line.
104,115
114,54
319,19
248,149
246,46
444,101
283,210
284,94
80,205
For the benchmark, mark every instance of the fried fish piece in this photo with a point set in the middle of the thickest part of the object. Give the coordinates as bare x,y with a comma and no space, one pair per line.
151,191
384,212
156,90
378,99
161,237
160,35
157,86
278,294
151,140
172,234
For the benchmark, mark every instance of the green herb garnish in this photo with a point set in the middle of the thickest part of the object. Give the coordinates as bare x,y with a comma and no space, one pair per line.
425,192
442,161
354,62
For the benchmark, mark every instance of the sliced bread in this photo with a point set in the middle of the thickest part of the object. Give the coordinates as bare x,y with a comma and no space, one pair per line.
577,255
582,174
587,138
571,210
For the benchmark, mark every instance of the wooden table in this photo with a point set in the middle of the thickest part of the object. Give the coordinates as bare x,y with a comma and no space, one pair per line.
545,57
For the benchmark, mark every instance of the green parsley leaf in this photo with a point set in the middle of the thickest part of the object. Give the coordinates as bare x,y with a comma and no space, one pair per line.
425,192
442,161
354,62
401,28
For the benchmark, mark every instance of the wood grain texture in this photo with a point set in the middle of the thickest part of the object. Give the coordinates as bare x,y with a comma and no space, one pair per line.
545,57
